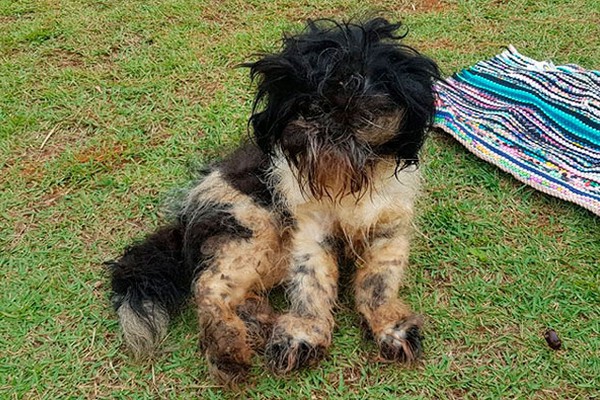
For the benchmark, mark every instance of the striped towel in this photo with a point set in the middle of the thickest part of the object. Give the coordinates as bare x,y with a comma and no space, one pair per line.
534,120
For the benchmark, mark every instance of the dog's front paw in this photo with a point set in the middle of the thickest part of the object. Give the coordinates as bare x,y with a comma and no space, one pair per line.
296,343
401,341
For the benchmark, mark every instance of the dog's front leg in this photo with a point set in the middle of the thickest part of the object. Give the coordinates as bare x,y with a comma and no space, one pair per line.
393,325
302,336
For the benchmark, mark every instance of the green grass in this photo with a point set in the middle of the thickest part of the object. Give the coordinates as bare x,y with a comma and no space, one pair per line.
105,107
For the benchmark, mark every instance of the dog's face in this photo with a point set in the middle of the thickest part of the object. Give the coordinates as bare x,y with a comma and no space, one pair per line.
340,97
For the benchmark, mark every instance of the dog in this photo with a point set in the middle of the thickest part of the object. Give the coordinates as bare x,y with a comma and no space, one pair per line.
328,181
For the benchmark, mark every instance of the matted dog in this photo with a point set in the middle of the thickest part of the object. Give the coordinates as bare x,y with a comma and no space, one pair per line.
331,173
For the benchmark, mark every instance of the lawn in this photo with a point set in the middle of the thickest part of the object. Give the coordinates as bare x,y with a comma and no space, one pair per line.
108,106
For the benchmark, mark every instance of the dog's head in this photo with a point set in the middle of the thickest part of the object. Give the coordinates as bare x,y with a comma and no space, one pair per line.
338,98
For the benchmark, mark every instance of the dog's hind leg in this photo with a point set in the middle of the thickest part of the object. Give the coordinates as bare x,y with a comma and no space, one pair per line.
237,269
394,327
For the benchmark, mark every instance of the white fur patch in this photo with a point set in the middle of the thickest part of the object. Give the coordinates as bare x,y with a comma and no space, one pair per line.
391,197
141,339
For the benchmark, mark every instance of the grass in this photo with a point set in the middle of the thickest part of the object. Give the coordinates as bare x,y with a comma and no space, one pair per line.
105,107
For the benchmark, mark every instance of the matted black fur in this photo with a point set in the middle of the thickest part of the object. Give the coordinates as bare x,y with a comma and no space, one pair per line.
153,269
210,220
246,170
338,75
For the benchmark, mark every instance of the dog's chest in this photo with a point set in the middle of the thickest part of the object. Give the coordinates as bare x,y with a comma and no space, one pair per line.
390,200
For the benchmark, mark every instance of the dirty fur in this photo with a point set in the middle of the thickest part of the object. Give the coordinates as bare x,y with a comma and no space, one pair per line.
331,174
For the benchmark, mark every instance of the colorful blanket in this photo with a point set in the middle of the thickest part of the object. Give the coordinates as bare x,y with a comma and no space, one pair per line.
534,120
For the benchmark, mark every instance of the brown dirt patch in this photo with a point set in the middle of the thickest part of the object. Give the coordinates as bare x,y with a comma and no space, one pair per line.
411,6
29,163
201,89
7,19
110,155
63,58
442,44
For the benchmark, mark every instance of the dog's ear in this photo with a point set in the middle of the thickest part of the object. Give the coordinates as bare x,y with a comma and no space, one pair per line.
408,78
271,71
276,96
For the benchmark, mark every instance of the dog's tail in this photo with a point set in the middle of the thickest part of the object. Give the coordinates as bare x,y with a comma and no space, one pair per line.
150,283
